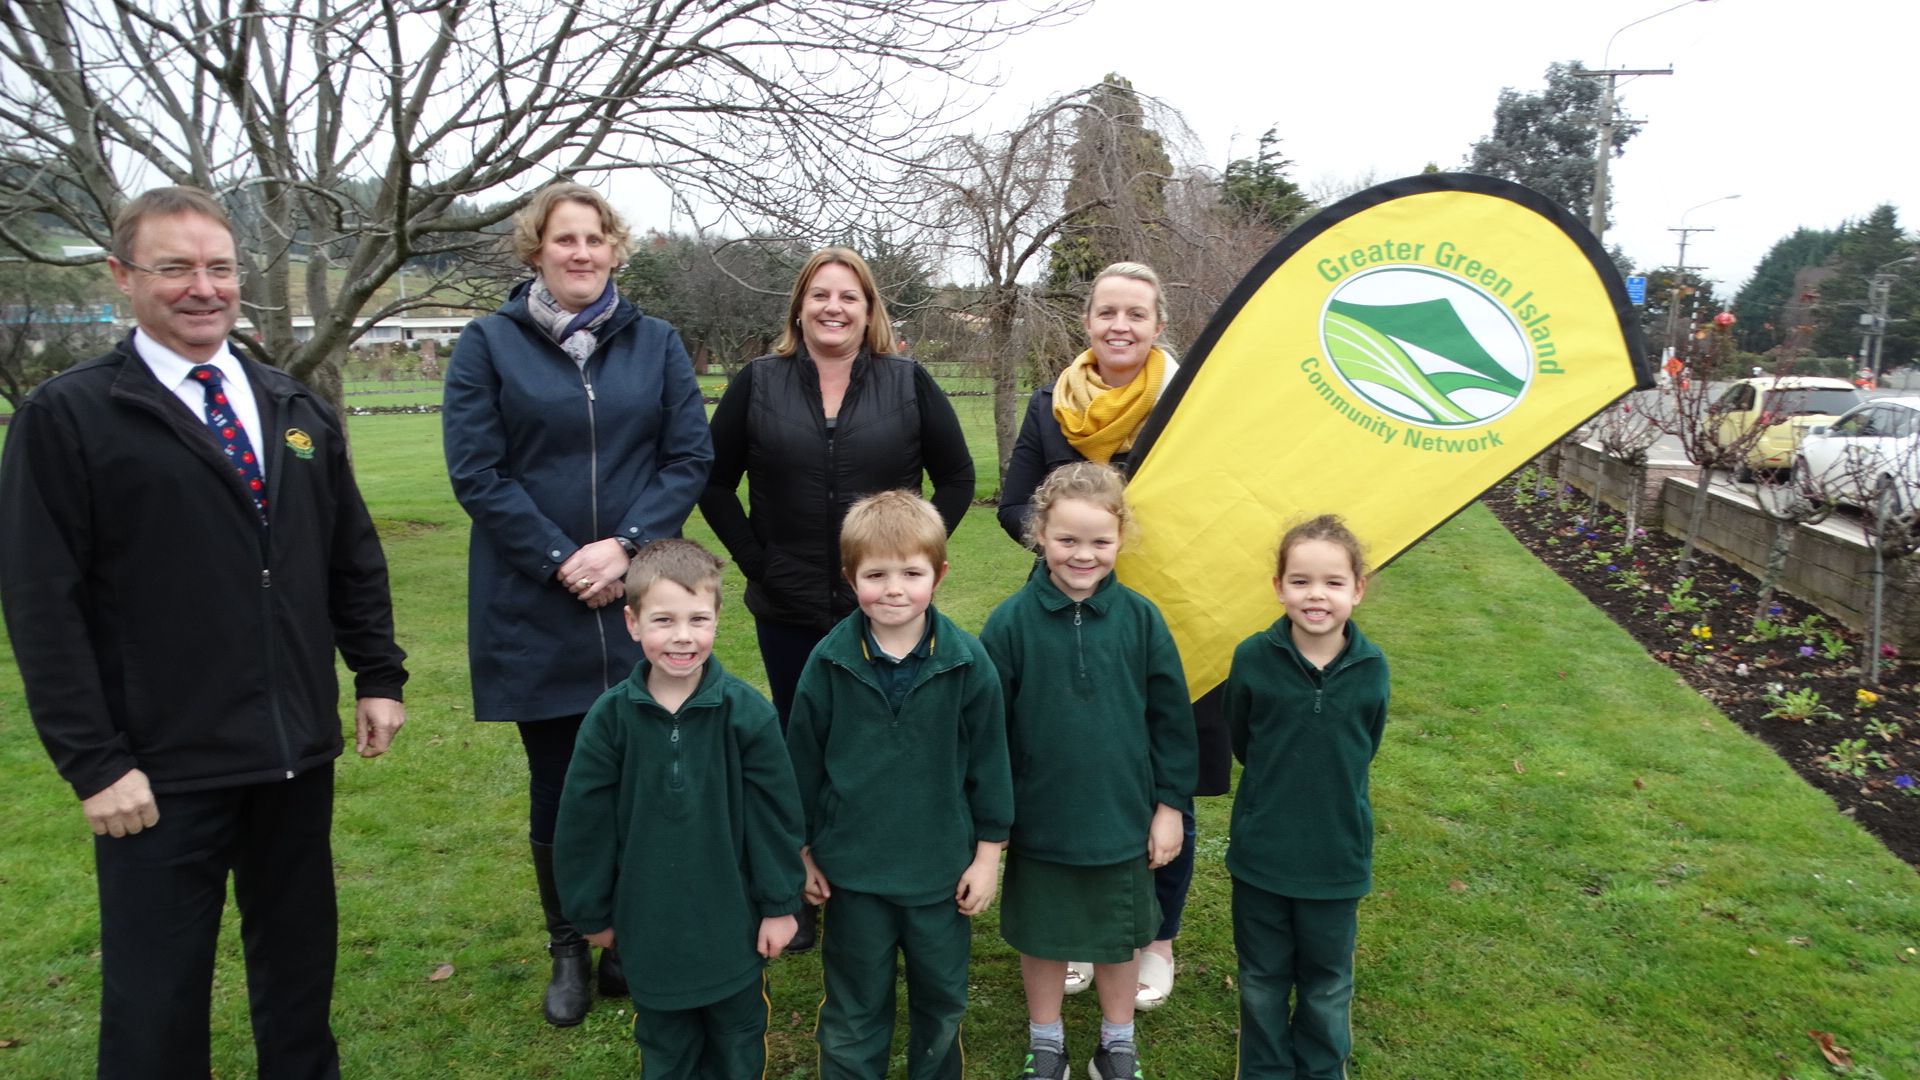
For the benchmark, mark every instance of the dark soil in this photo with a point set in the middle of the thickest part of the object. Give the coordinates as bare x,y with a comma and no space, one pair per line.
1746,674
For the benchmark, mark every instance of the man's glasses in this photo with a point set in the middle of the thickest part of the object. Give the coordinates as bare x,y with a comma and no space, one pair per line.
218,273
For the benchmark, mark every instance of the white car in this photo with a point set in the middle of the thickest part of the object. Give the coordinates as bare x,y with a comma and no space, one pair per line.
1872,451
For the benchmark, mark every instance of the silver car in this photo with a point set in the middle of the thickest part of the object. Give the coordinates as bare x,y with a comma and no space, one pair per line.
1871,452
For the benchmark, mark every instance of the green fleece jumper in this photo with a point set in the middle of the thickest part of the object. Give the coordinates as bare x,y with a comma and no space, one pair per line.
1098,720
1302,825
682,832
896,803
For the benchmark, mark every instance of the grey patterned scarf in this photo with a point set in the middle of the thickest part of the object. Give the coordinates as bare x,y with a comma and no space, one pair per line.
572,331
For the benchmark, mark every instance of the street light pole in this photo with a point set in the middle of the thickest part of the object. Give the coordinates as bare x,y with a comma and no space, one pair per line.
1873,335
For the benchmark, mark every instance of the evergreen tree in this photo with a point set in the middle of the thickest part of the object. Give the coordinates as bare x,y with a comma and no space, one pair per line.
1875,245
1119,165
1258,190
1546,140
1761,304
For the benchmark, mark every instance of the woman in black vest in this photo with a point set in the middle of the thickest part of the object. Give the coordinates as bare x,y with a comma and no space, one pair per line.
831,416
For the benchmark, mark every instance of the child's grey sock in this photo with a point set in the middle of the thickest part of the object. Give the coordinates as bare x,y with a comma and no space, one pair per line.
1054,1034
1111,1033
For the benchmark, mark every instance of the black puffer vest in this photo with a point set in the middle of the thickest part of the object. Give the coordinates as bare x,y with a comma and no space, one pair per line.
802,478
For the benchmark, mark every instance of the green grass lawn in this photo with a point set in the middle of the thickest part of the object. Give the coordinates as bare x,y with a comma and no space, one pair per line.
1539,912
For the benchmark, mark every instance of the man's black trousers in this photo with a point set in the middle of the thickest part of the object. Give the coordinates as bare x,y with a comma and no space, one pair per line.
161,894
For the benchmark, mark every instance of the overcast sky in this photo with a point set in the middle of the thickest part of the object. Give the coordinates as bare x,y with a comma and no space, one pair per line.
1804,109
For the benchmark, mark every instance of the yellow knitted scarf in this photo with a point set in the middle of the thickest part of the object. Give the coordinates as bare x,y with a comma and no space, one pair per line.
1100,420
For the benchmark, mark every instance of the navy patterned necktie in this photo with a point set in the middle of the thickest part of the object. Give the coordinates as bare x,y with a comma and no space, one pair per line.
232,436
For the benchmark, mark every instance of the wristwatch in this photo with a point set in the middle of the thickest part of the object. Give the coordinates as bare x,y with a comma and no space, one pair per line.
627,546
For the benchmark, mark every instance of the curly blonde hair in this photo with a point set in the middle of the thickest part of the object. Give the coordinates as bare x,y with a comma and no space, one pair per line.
530,224
1088,481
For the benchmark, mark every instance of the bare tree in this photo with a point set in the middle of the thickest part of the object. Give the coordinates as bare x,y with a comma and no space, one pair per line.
1089,166
1625,433
1790,502
1687,413
350,132
1881,472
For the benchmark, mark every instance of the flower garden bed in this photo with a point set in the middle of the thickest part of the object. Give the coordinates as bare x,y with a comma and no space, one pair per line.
1795,682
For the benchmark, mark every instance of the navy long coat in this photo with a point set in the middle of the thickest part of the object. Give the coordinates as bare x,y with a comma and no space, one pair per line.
547,457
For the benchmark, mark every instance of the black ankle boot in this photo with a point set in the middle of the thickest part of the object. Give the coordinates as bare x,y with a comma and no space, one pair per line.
568,993
613,974
804,938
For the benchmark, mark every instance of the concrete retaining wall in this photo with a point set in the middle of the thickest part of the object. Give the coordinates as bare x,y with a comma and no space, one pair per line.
1830,567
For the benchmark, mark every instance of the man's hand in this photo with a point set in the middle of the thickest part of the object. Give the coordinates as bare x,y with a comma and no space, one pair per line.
977,885
596,573
1165,837
775,933
604,938
376,720
817,890
123,807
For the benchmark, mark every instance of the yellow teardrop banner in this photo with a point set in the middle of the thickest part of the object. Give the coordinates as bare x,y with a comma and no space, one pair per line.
1389,360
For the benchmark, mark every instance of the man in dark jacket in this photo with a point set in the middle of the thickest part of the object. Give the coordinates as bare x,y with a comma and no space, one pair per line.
182,548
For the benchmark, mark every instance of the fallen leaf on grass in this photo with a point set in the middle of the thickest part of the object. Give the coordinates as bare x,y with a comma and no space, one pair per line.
794,1020
9,1044
441,973
1562,674
435,741
1800,941
1838,1055
1751,951
56,980
1457,886
1201,970
1639,783
1517,767
1900,957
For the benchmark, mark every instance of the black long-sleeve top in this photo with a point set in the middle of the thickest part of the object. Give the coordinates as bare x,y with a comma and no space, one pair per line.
895,426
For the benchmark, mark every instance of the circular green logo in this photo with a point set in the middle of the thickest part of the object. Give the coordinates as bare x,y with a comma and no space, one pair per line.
1426,346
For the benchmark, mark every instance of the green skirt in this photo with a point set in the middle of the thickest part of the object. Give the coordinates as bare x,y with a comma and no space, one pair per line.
1093,914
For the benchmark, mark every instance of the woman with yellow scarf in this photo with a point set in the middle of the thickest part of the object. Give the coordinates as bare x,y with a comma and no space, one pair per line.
1094,412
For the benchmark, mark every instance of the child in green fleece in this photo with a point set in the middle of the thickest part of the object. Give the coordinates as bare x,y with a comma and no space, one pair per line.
1306,703
899,744
1100,725
679,830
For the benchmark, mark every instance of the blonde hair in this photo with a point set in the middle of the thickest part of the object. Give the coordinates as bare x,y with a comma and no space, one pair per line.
681,561
880,340
1132,271
530,224
1330,528
892,523
1088,481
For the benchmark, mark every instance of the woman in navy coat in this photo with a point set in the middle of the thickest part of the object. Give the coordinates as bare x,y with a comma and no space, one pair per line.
574,433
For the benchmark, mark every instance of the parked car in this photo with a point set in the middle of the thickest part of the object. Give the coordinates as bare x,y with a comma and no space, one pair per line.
1787,406
1871,452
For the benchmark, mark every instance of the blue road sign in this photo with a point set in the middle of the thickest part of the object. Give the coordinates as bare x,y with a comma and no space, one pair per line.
1637,290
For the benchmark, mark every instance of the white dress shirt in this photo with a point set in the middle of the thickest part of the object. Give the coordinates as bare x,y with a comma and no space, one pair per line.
172,370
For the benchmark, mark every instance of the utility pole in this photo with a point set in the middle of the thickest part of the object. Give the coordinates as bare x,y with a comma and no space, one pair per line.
1597,222
1673,305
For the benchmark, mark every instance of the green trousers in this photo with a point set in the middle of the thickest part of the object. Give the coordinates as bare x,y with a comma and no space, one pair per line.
726,1040
1296,984
860,946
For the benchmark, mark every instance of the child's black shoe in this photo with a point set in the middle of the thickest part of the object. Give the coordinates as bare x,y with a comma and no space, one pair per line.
1119,1061
1045,1063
